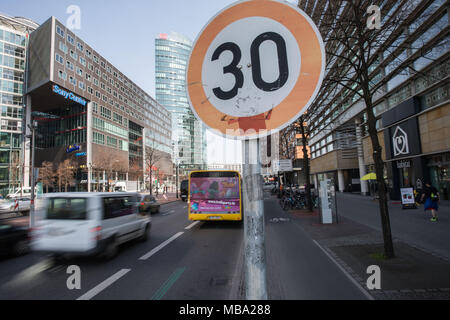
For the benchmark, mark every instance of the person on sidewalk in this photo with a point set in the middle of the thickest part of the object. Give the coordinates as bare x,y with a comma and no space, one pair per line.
431,197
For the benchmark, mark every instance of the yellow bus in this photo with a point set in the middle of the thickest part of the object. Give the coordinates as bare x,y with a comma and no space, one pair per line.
215,195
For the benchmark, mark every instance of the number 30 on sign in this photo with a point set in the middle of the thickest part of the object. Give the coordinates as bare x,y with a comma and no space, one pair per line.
255,68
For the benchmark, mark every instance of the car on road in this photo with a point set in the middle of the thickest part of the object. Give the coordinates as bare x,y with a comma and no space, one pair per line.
88,223
15,205
14,239
148,204
19,193
184,189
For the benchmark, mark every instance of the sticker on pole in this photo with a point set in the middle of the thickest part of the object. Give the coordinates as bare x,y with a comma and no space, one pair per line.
255,68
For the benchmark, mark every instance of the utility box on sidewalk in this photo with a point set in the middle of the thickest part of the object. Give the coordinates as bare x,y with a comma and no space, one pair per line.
326,195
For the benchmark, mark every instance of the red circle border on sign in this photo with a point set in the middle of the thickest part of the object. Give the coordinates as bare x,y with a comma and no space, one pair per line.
296,103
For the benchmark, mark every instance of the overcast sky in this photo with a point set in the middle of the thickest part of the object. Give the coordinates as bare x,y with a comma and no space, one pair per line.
124,33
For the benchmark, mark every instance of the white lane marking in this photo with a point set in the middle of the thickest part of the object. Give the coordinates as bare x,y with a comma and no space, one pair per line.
105,284
192,225
345,272
171,211
162,245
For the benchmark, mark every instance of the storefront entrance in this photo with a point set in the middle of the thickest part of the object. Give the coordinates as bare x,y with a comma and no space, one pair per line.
439,167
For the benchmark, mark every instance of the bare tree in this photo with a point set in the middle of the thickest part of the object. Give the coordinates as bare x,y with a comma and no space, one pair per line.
65,173
151,159
108,161
16,167
47,174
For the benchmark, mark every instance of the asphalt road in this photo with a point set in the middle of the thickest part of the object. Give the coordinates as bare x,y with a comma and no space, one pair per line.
198,263
186,261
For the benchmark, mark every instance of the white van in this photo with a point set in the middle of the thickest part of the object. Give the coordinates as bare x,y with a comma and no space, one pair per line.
120,187
20,192
88,223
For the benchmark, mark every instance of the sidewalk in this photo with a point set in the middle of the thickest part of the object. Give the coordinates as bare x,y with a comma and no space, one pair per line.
415,272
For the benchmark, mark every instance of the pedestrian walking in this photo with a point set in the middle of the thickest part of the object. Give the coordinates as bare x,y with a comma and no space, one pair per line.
431,197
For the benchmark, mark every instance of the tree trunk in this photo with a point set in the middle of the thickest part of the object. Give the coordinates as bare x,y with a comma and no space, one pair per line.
309,203
382,194
150,182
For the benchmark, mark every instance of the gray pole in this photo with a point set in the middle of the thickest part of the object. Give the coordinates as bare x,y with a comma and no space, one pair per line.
33,182
176,186
254,246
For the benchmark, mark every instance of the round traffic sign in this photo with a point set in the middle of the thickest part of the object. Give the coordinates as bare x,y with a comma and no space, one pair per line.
255,68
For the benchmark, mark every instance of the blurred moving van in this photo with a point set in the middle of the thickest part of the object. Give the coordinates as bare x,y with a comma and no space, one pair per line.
88,223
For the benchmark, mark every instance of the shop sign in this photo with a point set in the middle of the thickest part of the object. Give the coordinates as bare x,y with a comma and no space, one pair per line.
400,142
72,148
403,164
69,95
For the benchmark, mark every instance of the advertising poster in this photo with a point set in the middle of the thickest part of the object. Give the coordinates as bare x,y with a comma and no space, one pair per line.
214,195
407,197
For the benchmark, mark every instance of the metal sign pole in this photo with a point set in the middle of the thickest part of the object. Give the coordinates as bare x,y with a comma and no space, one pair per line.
255,250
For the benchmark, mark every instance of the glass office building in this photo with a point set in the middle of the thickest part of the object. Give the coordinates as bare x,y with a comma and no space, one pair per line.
90,113
13,41
188,134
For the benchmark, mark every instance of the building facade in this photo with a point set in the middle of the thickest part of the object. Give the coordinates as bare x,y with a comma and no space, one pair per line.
188,134
412,107
89,112
14,33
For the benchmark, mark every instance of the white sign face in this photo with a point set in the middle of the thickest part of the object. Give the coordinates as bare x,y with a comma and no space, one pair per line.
283,166
255,94
407,195
255,68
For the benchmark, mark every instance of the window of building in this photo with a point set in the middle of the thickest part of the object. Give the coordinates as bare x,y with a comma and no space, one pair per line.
63,47
81,85
60,31
72,80
79,72
73,54
62,75
70,39
83,61
98,138
117,118
59,59
105,112
112,142
80,46
69,65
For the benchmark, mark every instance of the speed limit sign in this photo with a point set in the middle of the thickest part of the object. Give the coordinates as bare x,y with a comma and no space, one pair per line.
255,68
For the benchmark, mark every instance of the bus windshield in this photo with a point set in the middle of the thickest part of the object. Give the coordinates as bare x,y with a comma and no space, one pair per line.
215,192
